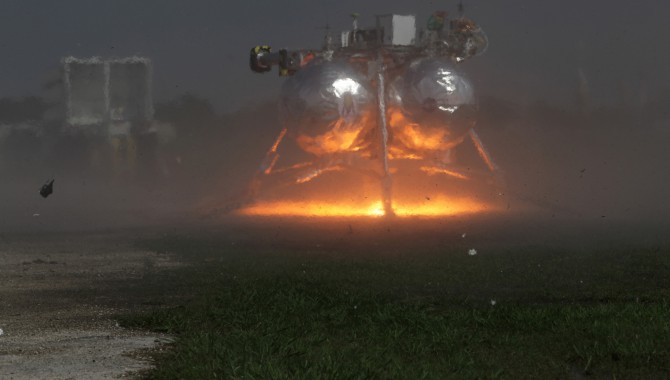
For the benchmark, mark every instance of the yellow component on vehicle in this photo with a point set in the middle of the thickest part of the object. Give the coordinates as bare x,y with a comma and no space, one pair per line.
260,48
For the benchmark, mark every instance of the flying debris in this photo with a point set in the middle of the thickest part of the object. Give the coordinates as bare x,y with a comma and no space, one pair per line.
47,188
377,102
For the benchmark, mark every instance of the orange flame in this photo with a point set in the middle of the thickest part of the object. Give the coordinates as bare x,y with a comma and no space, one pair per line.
410,141
414,137
342,137
431,170
439,206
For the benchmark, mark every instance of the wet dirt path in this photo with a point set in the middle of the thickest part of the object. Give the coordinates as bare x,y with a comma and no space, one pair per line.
59,294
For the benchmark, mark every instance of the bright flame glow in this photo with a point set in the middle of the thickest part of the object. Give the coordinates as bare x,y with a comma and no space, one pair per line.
435,207
415,137
315,173
423,138
329,143
342,137
431,170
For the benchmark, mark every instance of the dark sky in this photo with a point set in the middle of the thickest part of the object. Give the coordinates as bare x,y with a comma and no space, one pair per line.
201,46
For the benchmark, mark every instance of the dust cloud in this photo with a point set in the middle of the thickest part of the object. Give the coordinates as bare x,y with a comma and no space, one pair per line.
607,162
562,165
193,162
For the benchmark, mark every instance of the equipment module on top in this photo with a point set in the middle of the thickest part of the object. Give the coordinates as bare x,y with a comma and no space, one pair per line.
375,100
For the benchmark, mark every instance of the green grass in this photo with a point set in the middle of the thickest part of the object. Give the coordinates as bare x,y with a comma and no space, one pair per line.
263,314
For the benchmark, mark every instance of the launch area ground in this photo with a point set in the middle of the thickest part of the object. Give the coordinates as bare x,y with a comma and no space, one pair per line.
357,298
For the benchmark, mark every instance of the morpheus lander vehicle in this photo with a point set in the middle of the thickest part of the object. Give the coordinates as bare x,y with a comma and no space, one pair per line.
381,113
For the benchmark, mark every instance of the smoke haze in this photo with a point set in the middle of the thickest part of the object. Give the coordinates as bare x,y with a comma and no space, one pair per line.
573,105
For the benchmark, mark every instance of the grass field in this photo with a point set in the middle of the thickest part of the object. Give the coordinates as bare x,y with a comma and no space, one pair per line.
422,311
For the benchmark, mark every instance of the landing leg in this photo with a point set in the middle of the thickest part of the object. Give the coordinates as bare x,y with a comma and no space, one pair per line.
387,181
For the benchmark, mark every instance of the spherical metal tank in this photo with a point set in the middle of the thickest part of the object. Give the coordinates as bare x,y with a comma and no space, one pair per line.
434,94
323,93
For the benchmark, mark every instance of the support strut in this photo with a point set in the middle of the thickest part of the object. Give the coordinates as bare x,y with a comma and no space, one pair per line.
387,181
483,153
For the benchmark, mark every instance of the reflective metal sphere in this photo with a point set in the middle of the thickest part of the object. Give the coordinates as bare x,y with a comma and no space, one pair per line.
434,94
323,93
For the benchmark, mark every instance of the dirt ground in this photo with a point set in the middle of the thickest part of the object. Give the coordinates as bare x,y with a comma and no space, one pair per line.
58,296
